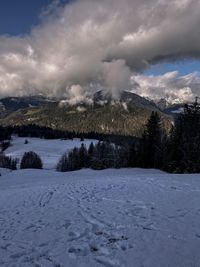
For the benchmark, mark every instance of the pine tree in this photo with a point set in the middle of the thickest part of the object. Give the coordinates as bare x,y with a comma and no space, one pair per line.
183,150
83,156
63,163
132,157
31,160
8,162
74,158
150,149
90,154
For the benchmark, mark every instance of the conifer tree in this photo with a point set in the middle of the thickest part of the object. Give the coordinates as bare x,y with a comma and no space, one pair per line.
183,150
31,160
90,153
150,148
83,156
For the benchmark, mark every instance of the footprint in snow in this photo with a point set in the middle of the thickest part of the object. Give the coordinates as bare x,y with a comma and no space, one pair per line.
107,262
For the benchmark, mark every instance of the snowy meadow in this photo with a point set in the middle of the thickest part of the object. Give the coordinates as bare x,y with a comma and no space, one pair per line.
112,218
50,151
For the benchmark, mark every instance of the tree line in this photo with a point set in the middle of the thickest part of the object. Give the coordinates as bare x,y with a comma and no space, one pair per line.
148,152
101,155
43,132
177,152
30,160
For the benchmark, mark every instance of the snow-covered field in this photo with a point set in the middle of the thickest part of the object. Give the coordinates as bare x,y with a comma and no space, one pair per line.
4,171
110,218
49,150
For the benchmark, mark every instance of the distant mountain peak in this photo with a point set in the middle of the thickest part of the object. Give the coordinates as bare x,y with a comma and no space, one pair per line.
162,103
126,97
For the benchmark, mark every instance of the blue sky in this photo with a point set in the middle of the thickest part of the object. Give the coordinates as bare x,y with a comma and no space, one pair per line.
184,67
17,17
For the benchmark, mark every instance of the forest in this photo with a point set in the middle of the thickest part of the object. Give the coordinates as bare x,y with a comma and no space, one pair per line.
176,152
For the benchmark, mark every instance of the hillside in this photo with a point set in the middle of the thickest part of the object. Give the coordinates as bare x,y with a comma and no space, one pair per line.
9,105
125,117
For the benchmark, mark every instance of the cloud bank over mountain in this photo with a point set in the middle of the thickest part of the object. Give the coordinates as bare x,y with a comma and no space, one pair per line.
171,86
89,45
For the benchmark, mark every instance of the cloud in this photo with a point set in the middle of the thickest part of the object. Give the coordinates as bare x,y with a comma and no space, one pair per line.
78,94
92,44
171,86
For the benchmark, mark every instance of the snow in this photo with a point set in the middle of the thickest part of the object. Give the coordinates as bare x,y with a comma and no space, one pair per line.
178,111
110,218
4,171
124,105
50,151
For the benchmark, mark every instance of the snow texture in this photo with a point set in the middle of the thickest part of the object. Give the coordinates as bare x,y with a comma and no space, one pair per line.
110,218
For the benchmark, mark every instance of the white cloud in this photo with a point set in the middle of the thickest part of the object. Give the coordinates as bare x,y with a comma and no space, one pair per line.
171,86
77,94
99,44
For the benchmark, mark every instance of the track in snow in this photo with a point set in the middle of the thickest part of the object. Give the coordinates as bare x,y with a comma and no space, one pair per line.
111,218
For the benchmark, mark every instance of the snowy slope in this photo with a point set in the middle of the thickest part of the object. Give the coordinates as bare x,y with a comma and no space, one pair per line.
49,150
4,171
110,218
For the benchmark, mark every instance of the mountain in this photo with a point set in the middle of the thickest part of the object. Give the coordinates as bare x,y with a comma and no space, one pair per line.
162,104
126,116
174,110
9,105
129,98
171,109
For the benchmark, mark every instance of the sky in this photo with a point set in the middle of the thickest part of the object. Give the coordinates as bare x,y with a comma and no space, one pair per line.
184,67
17,17
70,49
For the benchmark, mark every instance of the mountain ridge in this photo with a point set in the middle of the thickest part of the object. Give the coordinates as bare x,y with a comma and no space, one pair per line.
126,116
